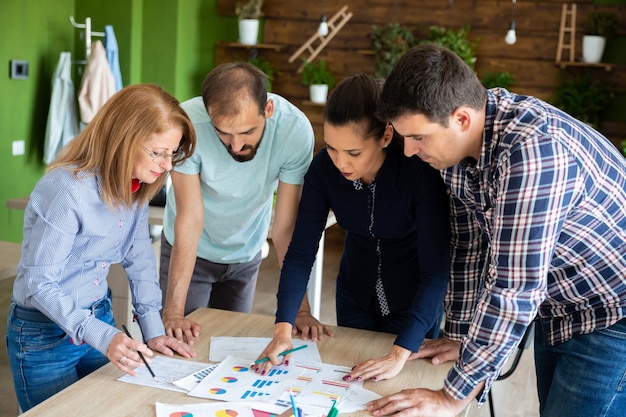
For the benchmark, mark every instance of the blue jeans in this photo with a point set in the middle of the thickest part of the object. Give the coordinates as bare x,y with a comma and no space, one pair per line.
585,376
350,314
43,359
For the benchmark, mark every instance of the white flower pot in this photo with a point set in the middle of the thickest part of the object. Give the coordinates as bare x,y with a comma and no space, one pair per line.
248,31
318,93
593,48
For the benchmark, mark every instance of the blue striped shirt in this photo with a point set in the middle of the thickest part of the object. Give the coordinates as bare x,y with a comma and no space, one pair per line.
548,199
70,241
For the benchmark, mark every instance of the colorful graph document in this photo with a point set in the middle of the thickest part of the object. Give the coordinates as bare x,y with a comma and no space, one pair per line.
167,371
319,384
190,381
251,347
234,380
203,410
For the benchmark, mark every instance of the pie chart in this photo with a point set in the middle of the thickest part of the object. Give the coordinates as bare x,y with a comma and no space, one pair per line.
181,414
240,369
217,391
226,413
228,379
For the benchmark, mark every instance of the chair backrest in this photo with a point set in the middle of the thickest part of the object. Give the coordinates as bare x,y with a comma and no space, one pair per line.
523,344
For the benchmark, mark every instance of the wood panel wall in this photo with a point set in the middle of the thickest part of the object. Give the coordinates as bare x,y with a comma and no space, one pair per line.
531,59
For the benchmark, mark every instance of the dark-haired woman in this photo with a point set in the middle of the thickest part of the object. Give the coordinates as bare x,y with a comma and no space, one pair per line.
395,267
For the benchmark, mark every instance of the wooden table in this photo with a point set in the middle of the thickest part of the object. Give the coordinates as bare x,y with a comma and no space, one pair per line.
10,253
101,394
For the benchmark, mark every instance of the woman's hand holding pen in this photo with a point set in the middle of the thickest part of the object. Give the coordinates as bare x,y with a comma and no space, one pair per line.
378,369
280,343
122,352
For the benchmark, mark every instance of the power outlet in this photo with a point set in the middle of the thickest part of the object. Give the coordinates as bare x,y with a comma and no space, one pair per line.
18,147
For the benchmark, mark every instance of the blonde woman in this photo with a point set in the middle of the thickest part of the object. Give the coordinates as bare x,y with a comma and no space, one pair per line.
89,211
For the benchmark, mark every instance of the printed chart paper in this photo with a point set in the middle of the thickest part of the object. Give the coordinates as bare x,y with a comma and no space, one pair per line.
356,399
319,384
315,389
189,382
251,347
234,380
203,410
167,371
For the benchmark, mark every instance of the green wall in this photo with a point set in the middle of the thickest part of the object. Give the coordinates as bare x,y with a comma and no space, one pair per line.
167,42
36,31
119,14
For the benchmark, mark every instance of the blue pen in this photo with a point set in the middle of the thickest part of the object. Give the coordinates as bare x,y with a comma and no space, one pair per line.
293,404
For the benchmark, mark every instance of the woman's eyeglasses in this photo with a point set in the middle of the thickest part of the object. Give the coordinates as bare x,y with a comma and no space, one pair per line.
161,156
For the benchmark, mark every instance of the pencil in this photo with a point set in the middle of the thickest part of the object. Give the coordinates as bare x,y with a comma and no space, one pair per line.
287,352
141,355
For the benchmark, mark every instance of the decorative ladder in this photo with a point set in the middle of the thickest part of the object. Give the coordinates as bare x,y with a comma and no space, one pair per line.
343,15
568,14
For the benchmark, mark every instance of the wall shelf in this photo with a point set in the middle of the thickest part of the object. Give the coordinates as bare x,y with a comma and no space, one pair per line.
565,64
310,103
271,46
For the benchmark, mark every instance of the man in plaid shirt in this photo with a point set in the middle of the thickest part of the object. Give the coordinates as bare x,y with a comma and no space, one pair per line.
538,203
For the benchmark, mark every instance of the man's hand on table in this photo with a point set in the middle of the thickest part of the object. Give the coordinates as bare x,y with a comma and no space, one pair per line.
181,328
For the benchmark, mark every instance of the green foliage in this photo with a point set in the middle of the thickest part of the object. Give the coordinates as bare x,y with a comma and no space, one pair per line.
458,41
601,24
317,73
498,79
265,66
390,42
583,98
624,147
249,9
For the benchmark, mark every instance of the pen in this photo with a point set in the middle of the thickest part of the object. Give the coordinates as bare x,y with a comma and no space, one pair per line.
293,404
141,355
333,410
287,352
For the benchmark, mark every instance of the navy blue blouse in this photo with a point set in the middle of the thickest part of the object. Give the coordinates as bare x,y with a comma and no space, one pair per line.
407,215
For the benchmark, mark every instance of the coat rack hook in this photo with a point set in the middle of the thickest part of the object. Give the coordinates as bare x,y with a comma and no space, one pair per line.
75,24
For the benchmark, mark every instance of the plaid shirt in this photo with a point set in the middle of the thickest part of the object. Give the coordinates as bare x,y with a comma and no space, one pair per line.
546,204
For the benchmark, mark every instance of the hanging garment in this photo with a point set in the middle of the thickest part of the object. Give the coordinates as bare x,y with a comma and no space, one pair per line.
112,52
97,84
62,124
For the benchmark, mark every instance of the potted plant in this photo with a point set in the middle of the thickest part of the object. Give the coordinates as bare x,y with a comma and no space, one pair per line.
498,79
319,79
267,68
458,41
600,26
390,42
583,98
248,13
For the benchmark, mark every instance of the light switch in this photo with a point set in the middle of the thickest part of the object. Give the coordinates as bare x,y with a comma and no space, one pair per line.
18,69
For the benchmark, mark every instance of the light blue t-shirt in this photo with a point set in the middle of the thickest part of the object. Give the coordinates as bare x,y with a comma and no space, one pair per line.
238,196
